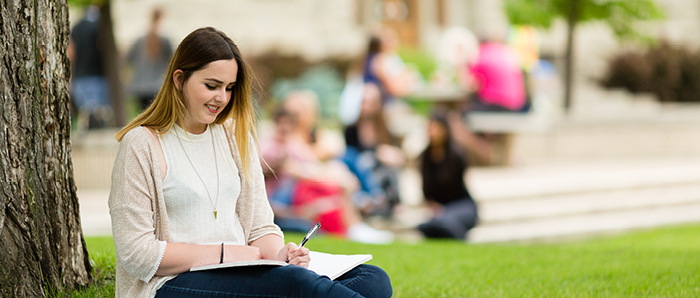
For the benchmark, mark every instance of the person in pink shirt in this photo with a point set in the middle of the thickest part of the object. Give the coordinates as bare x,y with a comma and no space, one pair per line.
498,79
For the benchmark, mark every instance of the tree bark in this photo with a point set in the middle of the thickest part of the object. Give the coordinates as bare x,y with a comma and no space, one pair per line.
569,60
40,233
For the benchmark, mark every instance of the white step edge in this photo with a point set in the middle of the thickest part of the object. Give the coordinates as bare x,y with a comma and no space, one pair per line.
490,184
585,224
565,205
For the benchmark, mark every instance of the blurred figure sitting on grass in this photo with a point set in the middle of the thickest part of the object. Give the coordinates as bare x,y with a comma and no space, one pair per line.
303,187
442,170
278,183
372,156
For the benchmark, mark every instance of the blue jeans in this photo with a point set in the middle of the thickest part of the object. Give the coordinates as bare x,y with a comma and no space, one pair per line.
90,93
379,182
283,281
458,217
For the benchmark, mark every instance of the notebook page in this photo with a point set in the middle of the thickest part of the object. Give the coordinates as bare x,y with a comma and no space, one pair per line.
333,265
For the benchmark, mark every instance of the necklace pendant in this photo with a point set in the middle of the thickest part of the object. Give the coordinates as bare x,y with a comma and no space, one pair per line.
215,212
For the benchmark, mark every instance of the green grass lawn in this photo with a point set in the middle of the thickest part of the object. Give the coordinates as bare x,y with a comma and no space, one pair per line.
662,262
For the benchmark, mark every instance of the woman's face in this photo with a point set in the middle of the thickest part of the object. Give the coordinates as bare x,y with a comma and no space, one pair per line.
303,109
390,41
206,93
437,133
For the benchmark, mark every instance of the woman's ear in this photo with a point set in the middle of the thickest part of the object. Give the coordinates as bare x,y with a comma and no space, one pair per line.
177,79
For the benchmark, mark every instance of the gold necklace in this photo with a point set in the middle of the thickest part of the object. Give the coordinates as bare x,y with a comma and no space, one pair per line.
216,164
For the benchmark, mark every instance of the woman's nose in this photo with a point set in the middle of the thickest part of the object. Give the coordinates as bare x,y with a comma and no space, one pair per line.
221,95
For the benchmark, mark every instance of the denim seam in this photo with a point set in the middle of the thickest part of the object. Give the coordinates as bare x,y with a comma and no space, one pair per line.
358,277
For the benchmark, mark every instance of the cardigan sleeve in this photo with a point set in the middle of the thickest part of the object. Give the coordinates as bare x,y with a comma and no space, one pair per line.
131,205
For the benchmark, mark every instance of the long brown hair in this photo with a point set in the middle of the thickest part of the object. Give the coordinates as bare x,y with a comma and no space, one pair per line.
198,49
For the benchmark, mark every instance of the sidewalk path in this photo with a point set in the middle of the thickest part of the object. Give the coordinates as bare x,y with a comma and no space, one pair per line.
94,212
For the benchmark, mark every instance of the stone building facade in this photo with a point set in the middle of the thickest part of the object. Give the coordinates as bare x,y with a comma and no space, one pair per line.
322,28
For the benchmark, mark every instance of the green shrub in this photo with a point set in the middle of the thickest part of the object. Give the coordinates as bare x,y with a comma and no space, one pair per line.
629,70
671,73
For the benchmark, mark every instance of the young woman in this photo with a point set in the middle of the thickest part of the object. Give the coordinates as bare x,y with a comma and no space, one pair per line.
384,67
188,190
442,170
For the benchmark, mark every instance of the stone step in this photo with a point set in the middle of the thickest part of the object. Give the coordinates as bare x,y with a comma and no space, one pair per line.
489,184
543,202
501,211
658,138
585,224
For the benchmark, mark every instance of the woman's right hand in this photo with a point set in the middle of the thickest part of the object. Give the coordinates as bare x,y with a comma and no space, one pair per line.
241,253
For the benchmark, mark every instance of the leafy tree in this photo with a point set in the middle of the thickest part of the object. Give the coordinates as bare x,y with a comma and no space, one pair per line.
620,15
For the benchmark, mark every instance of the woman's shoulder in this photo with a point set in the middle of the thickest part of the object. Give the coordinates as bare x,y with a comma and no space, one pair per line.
135,134
138,138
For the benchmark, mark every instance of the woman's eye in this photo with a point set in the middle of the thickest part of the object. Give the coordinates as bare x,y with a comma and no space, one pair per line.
229,88
210,87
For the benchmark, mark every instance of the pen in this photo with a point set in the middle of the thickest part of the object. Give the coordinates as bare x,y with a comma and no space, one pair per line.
308,236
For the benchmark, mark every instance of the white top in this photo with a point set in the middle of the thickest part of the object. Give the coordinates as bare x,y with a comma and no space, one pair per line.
190,210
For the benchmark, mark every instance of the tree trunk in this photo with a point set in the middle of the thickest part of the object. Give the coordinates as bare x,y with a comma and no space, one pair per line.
569,60
110,59
40,233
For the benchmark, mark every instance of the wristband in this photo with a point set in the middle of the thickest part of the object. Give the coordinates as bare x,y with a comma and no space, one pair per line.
221,261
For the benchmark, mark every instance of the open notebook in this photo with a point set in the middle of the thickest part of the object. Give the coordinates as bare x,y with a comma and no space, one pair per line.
330,265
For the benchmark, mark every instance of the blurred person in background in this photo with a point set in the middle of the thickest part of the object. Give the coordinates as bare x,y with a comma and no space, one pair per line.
497,78
499,86
89,87
278,182
372,155
457,47
304,106
307,186
148,58
442,167
384,67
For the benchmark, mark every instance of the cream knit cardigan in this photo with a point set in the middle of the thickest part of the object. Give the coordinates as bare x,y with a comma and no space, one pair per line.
139,218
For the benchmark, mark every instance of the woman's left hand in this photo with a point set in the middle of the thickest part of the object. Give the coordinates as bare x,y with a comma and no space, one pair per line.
296,256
